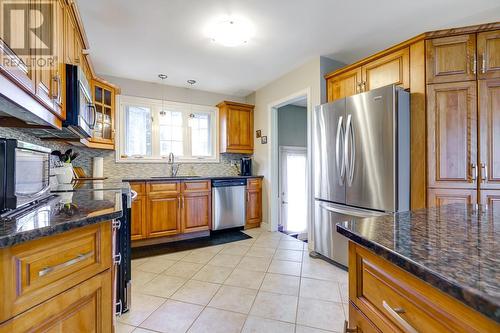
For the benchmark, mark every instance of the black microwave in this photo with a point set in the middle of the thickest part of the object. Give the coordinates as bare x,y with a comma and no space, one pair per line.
24,173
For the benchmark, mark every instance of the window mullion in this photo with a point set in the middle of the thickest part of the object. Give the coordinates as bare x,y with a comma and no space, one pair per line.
155,128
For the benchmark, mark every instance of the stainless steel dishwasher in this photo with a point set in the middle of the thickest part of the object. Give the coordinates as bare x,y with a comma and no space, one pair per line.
228,203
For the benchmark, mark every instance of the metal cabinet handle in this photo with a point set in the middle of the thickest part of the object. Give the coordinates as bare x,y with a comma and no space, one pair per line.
77,259
483,64
473,168
349,330
57,79
395,314
484,172
182,202
364,85
474,64
358,87
179,201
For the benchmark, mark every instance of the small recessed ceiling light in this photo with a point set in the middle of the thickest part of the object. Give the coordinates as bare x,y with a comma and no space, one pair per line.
230,32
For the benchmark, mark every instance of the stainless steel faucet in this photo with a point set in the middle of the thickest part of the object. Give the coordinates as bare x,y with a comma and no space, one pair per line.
174,168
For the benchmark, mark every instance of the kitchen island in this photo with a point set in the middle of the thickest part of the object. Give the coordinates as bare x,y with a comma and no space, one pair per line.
429,270
56,264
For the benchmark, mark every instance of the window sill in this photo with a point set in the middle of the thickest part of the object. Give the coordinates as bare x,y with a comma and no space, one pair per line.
165,160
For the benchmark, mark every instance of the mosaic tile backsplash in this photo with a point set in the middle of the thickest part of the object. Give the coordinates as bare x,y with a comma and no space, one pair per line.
117,171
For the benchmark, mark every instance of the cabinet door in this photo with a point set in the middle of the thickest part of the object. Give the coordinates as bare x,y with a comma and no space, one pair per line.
488,51
344,85
452,135
164,215
196,212
443,196
104,101
138,216
240,129
254,207
489,133
86,307
491,198
393,68
451,59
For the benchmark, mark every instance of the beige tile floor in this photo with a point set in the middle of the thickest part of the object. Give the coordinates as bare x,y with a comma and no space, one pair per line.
264,284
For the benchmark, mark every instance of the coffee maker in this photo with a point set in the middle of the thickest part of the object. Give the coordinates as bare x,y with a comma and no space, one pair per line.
246,166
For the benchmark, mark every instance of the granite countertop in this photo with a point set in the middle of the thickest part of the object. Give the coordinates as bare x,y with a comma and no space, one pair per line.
453,248
59,213
160,178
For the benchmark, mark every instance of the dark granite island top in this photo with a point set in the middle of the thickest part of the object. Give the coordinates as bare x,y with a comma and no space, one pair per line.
453,248
58,214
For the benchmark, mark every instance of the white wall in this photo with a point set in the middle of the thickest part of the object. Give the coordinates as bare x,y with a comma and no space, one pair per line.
292,126
171,93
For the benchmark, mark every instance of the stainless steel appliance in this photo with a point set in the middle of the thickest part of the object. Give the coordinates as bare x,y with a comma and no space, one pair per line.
246,166
361,163
24,173
81,115
228,203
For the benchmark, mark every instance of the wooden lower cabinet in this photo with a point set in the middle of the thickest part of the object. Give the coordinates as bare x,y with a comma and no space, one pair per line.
59,283
254,203
385,298
196,212
86,307
163,215
138,216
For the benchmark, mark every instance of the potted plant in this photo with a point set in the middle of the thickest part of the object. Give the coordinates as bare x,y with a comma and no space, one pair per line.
64,168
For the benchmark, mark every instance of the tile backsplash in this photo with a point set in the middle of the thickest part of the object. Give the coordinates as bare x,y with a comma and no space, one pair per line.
118,171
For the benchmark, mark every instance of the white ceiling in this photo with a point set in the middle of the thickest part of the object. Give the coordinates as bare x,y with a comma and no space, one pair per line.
139,39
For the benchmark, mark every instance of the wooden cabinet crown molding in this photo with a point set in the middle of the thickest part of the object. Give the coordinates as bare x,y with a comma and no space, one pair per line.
423,36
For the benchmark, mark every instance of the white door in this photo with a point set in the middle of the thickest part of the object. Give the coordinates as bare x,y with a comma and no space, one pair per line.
293,189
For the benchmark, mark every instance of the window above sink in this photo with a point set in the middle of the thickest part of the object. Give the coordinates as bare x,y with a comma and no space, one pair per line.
149,130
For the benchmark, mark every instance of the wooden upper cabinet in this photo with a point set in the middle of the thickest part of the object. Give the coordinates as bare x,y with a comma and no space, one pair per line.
451,59
488,51
437,197
104,101
452,135
344,85
70,38
394,68
489,133
236,127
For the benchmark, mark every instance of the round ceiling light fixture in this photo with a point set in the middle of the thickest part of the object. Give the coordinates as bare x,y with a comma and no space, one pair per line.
230,32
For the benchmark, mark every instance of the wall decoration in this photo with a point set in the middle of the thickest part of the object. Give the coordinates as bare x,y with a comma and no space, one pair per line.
258,133
263,140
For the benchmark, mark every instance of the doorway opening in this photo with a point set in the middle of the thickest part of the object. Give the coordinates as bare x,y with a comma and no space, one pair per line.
293,168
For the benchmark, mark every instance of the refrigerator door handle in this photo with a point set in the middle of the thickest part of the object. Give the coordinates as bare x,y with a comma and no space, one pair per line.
349,141
340,166
358,212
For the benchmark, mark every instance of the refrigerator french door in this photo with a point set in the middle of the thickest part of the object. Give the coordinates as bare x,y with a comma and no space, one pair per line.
361,163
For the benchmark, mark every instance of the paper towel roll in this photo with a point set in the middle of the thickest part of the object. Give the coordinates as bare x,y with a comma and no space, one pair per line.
97,167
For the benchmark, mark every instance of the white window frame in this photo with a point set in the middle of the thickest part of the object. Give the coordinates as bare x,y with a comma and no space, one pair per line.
122,101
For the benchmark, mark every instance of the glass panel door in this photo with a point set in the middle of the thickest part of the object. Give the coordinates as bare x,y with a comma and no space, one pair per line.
293,217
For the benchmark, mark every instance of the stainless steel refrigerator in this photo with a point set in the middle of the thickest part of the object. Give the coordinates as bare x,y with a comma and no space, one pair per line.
361,163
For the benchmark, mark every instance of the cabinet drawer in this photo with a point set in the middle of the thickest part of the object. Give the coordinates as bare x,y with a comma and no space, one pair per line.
396,301
33,272
167,188
140,188
199,186
87,307
254,183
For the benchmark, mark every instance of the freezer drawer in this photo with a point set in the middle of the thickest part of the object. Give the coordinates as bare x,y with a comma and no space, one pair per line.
327,241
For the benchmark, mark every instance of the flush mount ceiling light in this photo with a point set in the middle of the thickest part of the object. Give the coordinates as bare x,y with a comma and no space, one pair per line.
230,32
